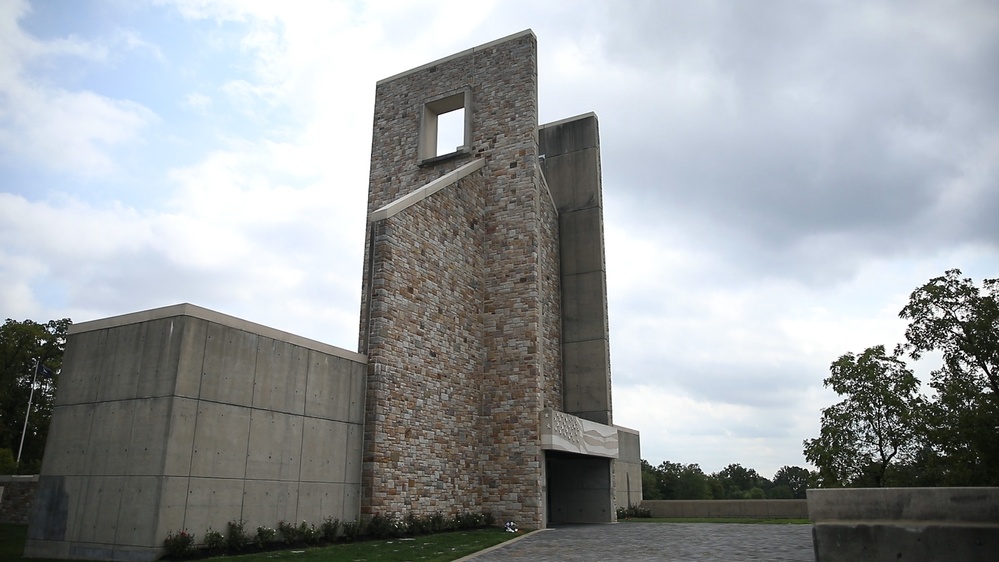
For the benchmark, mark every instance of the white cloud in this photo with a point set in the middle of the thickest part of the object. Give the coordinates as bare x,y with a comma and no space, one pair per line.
681,429
71,131
198,101
772,191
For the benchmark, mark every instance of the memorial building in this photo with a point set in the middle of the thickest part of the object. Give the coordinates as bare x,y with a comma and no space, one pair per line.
482,377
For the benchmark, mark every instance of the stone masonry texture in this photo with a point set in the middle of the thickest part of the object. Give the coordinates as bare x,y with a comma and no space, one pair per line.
460,312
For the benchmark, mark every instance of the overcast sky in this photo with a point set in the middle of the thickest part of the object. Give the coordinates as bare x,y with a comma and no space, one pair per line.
778,176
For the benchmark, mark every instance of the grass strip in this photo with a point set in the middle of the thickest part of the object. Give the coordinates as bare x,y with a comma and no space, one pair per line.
442,547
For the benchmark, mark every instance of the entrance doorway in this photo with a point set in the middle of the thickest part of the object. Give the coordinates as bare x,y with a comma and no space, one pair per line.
580,488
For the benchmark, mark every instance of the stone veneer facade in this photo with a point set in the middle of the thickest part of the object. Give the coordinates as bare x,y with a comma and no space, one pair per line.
460,312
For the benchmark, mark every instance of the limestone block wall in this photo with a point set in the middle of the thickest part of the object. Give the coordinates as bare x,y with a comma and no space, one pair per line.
549,278
481,278
183,418
426,352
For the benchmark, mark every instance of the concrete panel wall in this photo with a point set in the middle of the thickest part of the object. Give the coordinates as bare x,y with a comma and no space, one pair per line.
763,509
628,469
571,150
182,418
273,500
921,524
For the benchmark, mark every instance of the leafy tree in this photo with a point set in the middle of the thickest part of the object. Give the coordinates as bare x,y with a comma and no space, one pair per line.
716,487
21,343
7,462
676,481
738,482
650,482
692,484
794,479
781,492
874,426
949,314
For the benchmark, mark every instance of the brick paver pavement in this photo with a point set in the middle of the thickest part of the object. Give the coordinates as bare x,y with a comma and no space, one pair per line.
659,541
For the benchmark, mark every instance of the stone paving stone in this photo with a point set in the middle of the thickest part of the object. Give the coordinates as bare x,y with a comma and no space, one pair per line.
660,541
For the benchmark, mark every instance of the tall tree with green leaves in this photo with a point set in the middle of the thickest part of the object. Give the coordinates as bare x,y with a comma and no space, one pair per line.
21,345
875,425
650,482
683,482
739,482
951,315
795,478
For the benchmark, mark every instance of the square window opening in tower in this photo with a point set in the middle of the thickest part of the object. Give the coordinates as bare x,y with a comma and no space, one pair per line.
445,126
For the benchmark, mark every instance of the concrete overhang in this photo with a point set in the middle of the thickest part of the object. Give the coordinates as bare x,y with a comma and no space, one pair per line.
565,432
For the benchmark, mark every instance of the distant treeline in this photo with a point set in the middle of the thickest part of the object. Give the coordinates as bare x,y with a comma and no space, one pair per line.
675,481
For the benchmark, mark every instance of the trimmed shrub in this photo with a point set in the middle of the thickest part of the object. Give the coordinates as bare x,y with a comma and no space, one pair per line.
329,529
236,538
289,533
214,541
265,536
179,545
633,512
384,526
310,534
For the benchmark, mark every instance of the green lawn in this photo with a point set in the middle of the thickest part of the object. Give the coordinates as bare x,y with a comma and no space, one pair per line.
12,542
441,547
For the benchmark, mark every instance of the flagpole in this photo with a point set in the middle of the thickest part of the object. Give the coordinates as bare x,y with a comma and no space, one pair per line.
28,413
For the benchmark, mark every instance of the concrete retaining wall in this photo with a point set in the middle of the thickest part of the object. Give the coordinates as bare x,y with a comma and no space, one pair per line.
765,509
915,524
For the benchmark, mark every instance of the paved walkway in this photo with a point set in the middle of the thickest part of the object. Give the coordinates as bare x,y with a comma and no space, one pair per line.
659,541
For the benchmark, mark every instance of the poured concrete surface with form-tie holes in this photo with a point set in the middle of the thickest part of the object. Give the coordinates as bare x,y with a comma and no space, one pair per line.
628,469
571,151
183,418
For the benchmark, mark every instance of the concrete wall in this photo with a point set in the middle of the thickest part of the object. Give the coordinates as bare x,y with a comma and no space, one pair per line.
763,509
183,418
628,469
920,524
571,150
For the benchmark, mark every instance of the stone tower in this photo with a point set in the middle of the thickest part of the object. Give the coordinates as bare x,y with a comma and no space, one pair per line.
483,312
